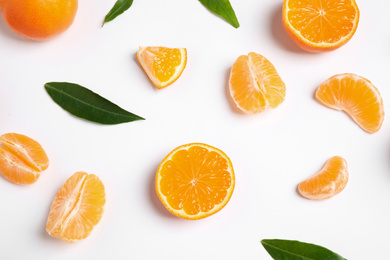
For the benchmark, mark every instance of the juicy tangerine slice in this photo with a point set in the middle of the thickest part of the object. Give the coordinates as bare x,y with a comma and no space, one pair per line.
355,95
195,181
255,85
320,25
162,65
328,182
22,159
77,207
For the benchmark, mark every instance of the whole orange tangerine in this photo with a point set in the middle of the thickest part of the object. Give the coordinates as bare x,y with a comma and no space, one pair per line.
39,20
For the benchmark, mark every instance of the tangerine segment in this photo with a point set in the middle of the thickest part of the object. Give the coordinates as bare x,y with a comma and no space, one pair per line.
328,182
355,95
162,65
16,170
320,25
27,149
195,181
77,207
255,85
22,159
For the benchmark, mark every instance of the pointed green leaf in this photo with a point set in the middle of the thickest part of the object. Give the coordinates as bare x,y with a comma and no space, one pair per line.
222,8
84,103
294,250
119,7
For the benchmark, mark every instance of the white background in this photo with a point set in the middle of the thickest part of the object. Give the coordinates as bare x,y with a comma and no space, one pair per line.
271,152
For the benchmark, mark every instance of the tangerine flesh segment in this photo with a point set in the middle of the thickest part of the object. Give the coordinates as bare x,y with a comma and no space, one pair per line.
16,170
320,25
27,149
88,211
77,208
195,181
328,182
355,95
22,159
255,85
162,65
64,202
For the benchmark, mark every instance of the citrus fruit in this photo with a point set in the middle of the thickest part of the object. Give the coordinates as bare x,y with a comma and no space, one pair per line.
355,95
162,65
39,19
328,182
255,84
77,207
320,25
22,159
195,181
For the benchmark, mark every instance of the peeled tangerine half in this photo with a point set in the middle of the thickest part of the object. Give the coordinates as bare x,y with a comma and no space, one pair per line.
162,65
195,181
328,182
22,159
255,85
356,96
77,207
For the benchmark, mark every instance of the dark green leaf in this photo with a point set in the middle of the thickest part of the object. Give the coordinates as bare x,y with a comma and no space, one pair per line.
119,7
294,250
84,103
222,8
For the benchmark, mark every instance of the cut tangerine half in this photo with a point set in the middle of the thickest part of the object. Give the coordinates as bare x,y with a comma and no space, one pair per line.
195,181
320,25
22,159
77,207
162,65
328,182
255,85
355,95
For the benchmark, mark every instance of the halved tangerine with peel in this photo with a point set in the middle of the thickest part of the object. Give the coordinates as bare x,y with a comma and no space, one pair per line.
22,159
77,207
162,65
195,181
320,25
355,95
328,182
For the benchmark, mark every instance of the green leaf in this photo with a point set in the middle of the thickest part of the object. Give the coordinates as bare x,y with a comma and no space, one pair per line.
84,103
119,7
222,8
294,250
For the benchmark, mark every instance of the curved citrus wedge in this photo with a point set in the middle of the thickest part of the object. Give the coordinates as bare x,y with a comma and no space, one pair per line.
195,181
77,207
162,65
22,159
328,182
255,85
320,25
355,95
